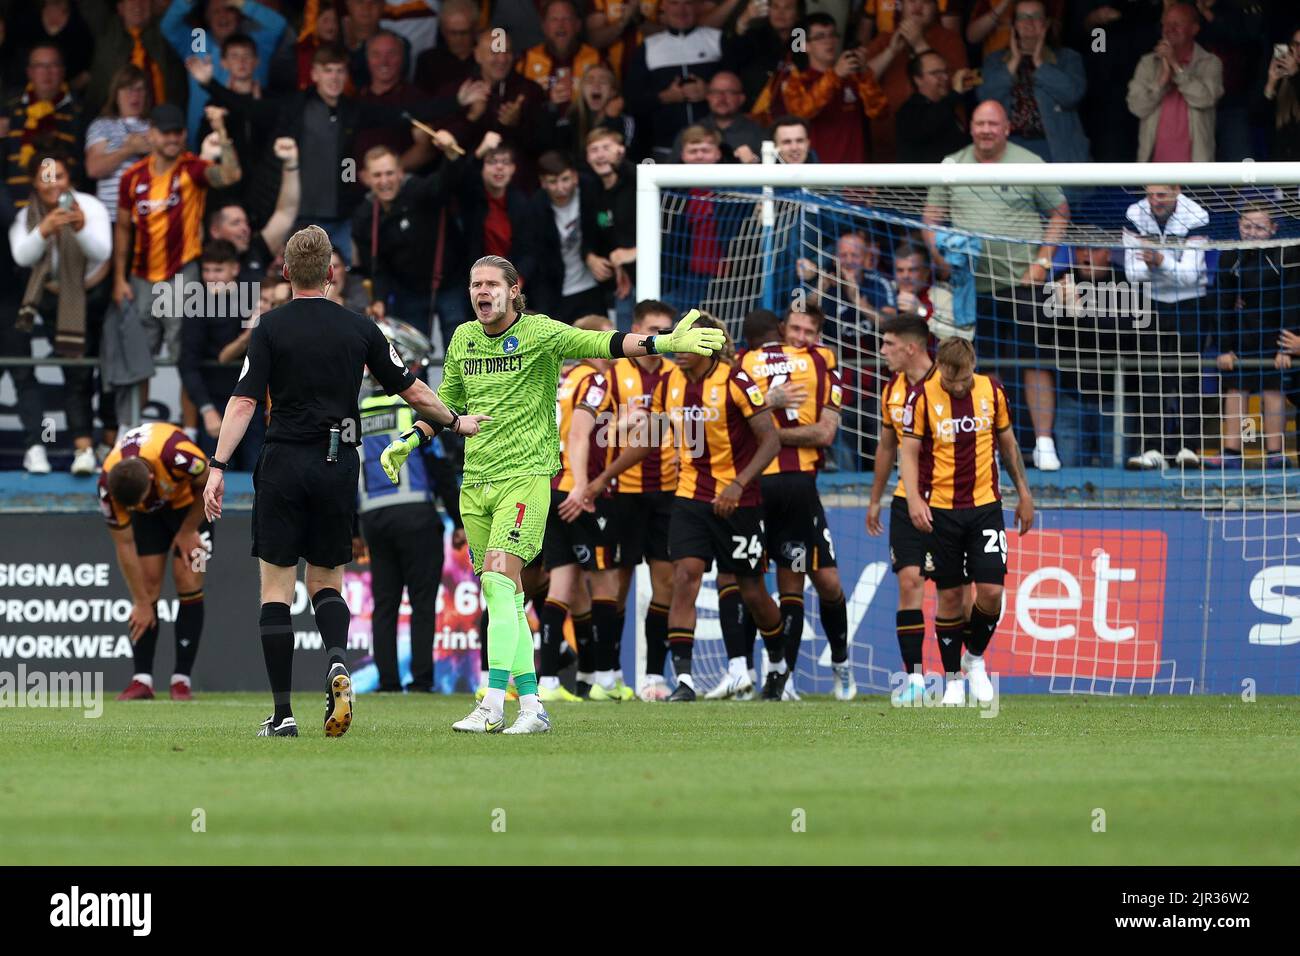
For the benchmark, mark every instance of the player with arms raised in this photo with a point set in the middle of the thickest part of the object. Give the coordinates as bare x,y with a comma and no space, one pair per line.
951,425
509,362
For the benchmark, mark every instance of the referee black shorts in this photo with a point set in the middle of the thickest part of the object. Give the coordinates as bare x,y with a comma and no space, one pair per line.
908,548
304,506
736,542
798,537
641,522
968,544
154,531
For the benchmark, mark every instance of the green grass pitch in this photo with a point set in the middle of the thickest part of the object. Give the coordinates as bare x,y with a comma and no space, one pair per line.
1188,780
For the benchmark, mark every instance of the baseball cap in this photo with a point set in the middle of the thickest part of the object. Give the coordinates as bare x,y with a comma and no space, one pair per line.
166,118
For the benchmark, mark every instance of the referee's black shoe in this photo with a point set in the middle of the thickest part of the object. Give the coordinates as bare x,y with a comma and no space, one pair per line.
338,701
288,727
774,686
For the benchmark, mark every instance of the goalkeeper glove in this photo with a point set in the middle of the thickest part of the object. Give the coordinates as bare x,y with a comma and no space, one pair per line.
392,457
686,338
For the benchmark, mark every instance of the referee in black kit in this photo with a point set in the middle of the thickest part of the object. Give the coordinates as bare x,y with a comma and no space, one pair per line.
306,360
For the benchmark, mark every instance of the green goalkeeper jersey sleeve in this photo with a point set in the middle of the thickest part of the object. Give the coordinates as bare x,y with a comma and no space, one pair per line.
512,376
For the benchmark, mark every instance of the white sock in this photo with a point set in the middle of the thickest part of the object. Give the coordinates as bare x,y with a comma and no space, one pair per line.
686,679
585,678
618,676
181,679
605,679
736,666
482,678
1045,443
495,700
146,679
549,683
780,667
531,703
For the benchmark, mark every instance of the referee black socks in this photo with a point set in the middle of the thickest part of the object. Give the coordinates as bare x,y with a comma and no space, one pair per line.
277,649
911,638
332,620
980,631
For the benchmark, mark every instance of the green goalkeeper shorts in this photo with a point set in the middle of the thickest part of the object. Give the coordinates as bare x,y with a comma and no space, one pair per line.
508,515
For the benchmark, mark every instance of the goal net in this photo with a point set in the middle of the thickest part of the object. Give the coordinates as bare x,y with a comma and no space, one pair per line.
1137,316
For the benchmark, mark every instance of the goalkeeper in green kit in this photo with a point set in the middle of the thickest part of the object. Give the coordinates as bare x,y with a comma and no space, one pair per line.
504,369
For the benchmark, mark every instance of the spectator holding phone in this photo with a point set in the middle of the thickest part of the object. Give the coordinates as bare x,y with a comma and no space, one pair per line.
1280,106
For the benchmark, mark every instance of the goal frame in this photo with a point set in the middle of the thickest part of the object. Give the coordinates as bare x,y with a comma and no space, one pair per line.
653,178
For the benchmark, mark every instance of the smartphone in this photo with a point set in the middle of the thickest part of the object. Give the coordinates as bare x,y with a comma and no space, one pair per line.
1280,51
65,201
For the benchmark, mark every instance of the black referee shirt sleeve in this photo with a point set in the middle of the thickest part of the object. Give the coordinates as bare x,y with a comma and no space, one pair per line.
385,364
257,366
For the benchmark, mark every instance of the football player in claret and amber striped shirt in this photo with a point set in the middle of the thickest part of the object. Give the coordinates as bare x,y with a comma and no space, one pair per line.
724,440
903,342
642,502
953,425
151,496
785,356
581,548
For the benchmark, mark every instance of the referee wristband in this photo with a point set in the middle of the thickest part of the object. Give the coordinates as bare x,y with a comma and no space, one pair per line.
218,464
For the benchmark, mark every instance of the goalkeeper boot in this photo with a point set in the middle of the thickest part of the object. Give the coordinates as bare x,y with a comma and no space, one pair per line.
980,685
912,693
530,722
558,694
481,720
685,692
338,701
774,685
730,686
954,693
846,688
288,727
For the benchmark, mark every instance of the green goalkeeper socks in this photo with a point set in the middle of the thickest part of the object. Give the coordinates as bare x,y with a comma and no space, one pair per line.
525,673
499,593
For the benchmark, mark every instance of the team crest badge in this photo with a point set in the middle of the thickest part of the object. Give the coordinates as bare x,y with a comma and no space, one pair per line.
510,345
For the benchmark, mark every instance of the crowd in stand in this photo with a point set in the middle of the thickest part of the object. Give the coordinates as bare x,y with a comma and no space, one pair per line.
180,142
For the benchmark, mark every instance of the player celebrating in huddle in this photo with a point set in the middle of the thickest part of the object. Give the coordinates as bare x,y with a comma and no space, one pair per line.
509,362
950,474
724,440
903,347
795,521
581,547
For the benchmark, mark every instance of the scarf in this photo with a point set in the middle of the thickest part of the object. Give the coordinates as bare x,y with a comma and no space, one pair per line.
37,120
70,327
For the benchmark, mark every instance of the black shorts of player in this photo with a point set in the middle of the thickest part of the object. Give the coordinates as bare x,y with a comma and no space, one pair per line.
154,531
736,542
304,506
798,537
968,544
582,541
907,546
641,522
